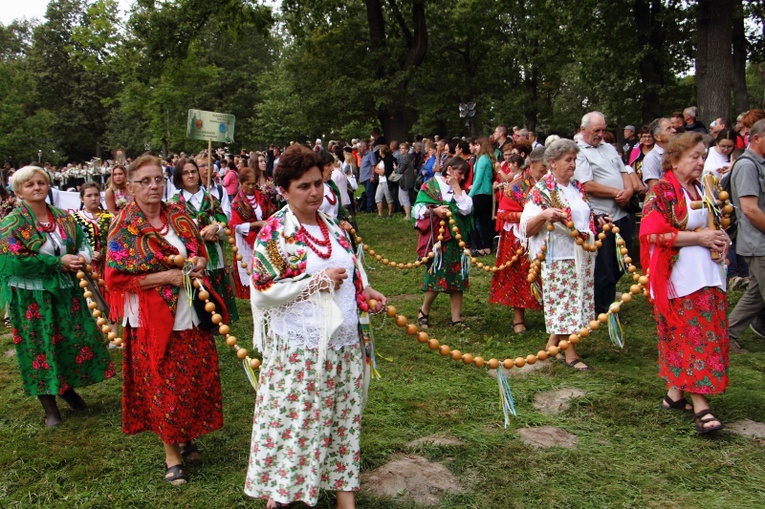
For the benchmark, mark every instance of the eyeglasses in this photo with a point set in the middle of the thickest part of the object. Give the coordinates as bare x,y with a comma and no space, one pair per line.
147,181
190,172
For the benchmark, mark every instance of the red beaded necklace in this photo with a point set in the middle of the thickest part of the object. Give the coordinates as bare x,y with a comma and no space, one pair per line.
313,243
48,227
165,228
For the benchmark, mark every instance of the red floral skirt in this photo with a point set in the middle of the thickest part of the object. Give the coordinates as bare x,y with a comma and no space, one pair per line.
184,400
510,287
695,358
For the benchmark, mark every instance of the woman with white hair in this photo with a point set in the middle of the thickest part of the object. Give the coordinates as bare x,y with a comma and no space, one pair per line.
567,273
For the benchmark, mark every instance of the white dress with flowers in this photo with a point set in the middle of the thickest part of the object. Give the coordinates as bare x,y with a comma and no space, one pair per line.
308,409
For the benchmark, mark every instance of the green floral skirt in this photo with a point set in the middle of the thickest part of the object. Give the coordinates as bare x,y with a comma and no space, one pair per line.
58,344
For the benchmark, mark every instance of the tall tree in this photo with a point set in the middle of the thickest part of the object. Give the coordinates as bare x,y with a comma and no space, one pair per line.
714,62
395,57
740,92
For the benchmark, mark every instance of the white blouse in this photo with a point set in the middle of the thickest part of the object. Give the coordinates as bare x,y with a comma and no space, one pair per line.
694,268
196,201
300,326
464,203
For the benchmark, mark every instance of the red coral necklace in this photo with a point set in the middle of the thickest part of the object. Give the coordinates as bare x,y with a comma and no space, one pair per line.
164,229
315,244
48,227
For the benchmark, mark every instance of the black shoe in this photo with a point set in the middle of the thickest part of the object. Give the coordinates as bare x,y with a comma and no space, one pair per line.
74,400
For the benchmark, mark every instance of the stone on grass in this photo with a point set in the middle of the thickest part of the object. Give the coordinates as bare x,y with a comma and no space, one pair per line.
412,477
10,353
434,440
554,402
747,428
547,436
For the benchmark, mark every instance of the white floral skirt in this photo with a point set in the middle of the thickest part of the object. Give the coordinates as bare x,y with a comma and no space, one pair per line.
305,435
569,305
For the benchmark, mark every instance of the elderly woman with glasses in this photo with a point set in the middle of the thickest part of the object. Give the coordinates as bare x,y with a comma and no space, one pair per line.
171,382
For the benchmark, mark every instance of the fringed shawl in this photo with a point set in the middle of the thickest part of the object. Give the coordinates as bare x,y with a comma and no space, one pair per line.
96,231
546,194
665,214
513,199
279,279
430,194
210,210
135,250
20,243
242,212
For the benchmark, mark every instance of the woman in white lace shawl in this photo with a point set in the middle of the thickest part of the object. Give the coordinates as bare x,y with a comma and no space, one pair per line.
309,303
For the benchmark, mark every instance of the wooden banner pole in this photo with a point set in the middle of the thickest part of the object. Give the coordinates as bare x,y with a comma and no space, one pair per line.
209,163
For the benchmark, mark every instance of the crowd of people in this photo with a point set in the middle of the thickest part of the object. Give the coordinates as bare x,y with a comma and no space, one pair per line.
572,202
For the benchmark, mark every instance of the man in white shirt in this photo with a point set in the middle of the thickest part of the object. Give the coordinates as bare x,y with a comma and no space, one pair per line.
600,169
662,131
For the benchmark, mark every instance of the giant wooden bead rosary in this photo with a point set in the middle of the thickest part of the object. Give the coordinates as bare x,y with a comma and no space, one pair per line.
98,314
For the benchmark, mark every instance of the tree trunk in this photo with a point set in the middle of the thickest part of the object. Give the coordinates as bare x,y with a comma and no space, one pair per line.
740,92
714,60
395,117
650,35
396,121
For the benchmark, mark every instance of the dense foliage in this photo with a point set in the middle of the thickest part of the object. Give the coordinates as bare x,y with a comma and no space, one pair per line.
83,82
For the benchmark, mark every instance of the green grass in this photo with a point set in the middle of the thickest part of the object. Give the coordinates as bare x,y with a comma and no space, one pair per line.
630,453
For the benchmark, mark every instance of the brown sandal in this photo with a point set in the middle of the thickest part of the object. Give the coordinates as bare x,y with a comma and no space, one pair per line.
703,417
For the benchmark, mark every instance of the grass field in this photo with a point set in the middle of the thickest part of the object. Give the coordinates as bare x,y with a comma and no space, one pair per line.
631,454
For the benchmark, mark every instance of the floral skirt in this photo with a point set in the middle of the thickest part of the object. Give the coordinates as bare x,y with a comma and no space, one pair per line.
510,287
183,400
448,277
695,357
306,431
58,344
569,305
